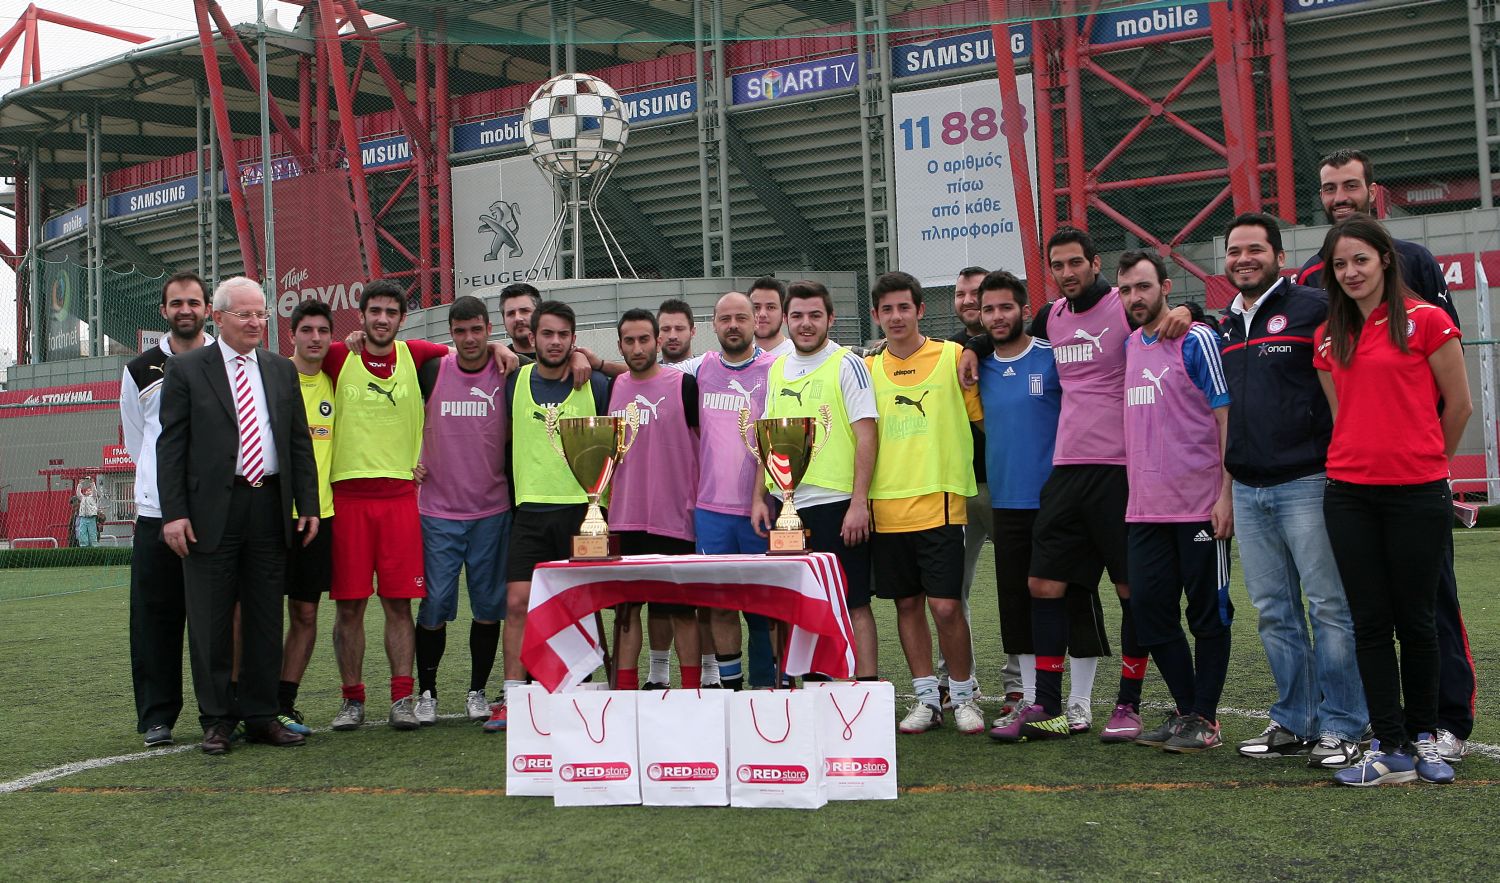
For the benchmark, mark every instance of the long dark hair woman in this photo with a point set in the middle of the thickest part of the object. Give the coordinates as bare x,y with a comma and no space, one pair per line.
1393,370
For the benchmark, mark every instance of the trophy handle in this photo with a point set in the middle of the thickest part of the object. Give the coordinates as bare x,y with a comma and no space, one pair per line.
553,415
826,413
747,432
630,428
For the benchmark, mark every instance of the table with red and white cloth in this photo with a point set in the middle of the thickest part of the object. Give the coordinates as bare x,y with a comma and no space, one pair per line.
806,592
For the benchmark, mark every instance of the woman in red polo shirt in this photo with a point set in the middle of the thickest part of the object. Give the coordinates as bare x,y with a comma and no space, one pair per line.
1400,399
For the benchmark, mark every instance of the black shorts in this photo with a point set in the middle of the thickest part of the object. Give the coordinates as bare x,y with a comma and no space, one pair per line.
920,562
1080,529
1168,561
541,535
1013,541
309,569
638,542
825,526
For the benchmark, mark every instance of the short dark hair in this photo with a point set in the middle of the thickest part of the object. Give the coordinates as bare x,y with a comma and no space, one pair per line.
311,307
1066,235
1261,220
966,272
677,306
807,289
1340,158
1001,280
1131,258
895,280
519,289
554,308
770,283
468,307
636,314
185,276
383,288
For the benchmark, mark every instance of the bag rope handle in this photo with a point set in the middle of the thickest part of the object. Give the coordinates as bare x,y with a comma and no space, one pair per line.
531,712
849,721
763,736
603,730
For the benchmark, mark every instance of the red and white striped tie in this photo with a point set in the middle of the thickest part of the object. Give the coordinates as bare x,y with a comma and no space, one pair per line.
253,458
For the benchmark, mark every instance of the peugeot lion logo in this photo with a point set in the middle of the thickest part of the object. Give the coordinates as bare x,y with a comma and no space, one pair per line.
504,229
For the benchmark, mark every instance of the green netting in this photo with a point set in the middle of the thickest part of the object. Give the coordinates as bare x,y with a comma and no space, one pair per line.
129,304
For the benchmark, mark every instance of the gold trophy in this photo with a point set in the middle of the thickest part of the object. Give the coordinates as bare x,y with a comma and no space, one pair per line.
593,447
786,448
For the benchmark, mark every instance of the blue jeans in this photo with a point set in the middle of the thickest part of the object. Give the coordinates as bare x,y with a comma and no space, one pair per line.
1285,554
88,530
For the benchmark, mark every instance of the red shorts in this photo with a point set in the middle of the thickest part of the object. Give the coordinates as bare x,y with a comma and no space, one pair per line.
379,541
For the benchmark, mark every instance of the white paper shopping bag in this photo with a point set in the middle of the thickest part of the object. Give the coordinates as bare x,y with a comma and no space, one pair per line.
774,757
684,747
528,742
857,732
595,761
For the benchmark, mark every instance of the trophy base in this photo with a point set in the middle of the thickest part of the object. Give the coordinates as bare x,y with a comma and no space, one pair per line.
596,548
788,542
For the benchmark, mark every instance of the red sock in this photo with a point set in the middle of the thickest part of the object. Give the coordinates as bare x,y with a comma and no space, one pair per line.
401,687
356,692
1049,663
692,677
1133,668
628,679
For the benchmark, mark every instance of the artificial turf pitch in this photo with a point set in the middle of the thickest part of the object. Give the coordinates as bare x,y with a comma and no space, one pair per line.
430,804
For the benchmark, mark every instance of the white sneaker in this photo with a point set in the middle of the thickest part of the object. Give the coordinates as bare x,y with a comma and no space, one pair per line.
477,706
351,715
404,714
1009,717
1080,716
968,717
1451,748
921,718
426,709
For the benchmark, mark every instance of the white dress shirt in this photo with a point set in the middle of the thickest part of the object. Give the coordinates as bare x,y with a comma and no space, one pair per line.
262,415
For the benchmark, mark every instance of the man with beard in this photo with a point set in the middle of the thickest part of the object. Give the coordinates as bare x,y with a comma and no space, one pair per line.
1277,464
550,505
1346,187
380,533
652,497
518,301
675,319
158,615
767,296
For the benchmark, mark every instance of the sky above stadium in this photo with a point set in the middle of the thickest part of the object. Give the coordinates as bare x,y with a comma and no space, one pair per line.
64,49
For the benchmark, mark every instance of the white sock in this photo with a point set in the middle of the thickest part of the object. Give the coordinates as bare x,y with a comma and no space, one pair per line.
1081,679
1028,678
511,685
927,691
710,669
661,667
962,691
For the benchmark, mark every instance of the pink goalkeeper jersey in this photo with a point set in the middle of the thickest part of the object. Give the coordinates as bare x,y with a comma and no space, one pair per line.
1171,437
463,444
657,481
1090,352
728,475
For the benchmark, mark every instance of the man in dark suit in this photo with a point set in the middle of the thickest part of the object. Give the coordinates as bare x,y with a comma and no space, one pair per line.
233,455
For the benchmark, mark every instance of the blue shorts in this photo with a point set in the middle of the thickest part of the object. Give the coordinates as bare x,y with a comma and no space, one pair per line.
720,534
477,546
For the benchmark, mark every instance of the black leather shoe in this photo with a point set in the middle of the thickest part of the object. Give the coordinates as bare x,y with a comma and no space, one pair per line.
275,734
216,739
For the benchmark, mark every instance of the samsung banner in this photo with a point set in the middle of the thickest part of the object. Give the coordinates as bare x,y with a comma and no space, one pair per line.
502,211
955,199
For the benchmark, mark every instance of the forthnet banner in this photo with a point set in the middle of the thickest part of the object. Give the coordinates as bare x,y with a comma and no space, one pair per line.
502,212
955,197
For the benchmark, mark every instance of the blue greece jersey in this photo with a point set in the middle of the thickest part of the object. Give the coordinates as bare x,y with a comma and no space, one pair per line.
1022,398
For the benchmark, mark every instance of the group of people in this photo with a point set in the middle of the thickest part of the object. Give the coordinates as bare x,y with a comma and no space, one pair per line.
1106,431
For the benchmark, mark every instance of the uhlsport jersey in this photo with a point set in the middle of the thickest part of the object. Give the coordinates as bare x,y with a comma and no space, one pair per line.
541,475
380,420
1022,398
925,443
463,444
1387,430
657,481
1089,349
1171,436
728,474
318,402
833,466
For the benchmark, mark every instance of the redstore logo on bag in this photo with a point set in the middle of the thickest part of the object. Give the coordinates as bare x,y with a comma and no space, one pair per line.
532,763
856,766
682,772
783,774
608,771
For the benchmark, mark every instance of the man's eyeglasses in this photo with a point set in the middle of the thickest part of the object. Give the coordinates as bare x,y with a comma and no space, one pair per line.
247,315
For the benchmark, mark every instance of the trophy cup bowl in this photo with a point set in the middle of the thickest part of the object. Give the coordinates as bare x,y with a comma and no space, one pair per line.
593,448
785,447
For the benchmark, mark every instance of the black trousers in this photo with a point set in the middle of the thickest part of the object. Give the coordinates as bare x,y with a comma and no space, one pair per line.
158,615
1456,679
1012,539
248,568
1390,542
